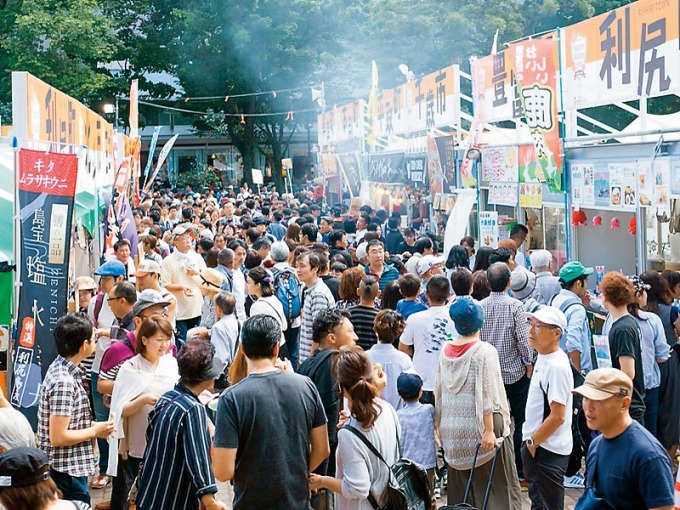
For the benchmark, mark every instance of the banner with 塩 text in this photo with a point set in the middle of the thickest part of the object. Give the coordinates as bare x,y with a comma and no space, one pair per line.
47,183
622,55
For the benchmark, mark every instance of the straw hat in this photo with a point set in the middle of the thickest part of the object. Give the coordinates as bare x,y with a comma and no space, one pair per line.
209,279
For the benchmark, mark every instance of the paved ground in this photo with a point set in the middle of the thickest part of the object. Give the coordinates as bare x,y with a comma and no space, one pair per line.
225,494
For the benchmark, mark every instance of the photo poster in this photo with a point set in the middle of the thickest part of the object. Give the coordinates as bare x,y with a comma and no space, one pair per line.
662,170
602,352
645,181
602,185
531,195
615,185
583,184
503,193
488,232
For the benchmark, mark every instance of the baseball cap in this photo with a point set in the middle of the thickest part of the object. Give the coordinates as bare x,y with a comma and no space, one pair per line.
467,315
260,220
602,383
19,467
111,268
85,283
409,384
182,229
146,299
147,266
361,251
573,270
552,316
428,262
639,284
522,283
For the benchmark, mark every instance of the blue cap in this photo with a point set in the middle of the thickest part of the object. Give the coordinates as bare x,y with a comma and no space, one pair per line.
409,384
467,315
111,268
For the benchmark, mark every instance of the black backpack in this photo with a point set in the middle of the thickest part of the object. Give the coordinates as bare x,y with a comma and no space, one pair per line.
407,486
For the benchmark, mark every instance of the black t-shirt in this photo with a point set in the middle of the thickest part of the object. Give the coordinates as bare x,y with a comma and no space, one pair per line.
625,340
345,255
403,247
319,368
268,418
333,285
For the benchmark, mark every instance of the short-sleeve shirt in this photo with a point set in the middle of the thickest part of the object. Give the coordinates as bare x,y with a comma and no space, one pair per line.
633,470
408,308
552,379
363,318
63,394
625,340
268,417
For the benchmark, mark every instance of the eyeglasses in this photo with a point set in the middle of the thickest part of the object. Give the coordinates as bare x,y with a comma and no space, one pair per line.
111,298
539,325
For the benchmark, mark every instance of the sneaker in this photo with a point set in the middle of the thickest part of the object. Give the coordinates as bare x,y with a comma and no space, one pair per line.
523,485
100,482
437,490
574,482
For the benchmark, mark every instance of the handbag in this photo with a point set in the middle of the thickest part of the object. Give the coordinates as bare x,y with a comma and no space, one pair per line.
591,499
323,499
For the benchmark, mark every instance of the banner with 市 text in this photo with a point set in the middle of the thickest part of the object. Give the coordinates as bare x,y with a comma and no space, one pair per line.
47,183
535,64
622,55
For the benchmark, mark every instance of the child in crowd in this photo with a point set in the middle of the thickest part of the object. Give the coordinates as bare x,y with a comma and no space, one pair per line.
409,286
363,315
417,426
388,326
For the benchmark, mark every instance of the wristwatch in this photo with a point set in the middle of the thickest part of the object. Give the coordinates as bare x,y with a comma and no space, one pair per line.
530,442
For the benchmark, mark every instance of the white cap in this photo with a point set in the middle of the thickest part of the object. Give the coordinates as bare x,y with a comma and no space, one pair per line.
551,315
428,262
361,251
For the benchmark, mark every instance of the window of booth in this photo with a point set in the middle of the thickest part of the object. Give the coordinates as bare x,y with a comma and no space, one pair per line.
547,230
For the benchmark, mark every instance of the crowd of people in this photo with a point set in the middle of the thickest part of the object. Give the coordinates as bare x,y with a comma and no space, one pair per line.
262,340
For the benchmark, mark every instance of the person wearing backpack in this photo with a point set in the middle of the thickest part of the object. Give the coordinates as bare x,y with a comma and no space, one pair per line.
288,289
361,479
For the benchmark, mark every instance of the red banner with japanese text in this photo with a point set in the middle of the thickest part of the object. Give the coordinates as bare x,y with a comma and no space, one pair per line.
535,67
47,183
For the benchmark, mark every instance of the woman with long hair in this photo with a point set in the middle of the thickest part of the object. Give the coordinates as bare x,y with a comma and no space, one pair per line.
360,473
482,261
139,384
260,285
659,302
390,296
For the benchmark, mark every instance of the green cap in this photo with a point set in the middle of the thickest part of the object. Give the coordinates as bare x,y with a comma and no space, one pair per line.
573,270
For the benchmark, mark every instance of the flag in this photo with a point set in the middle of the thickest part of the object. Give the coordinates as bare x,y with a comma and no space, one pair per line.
161,159
152,150
494,46
373,105
134,109
319,96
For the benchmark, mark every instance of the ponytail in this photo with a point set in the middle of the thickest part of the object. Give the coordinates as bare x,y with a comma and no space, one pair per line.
354,373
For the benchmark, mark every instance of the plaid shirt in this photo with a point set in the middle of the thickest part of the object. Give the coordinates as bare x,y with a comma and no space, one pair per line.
62,394
316,298
506,328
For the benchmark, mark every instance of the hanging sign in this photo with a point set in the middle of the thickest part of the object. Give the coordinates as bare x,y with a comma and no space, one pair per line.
503,193
488,231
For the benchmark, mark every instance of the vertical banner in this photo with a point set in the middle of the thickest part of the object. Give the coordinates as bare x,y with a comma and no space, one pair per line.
373,105
152,151
350,165
535,63
435,174
488,231
447,157
161,159
47,183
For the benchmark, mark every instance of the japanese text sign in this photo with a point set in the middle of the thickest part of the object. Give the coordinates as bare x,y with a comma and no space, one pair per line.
342,123
622,55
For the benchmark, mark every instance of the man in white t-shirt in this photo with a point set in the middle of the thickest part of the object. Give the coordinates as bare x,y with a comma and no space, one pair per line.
426,333
548,412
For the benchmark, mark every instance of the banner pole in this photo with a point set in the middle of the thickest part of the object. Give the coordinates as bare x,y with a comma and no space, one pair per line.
16,226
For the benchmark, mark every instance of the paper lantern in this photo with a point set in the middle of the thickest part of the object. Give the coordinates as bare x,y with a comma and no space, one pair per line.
632,226
616,223
597,221
579,218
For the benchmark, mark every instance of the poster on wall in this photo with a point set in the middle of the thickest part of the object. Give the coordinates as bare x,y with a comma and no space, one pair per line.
645,182
531,195
503,193
615,185
662,170
675,178
500,164
583,184
602,185
488,233
47,183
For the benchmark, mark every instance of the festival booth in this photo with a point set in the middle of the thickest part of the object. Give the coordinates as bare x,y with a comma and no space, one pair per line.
624,179
63,157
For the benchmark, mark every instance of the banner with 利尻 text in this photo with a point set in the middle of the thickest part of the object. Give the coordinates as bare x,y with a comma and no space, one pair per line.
47,183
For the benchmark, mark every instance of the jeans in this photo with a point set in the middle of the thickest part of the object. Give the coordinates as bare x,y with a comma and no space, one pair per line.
72,487
101,413
292,336
544,475
651,409
122,483
183,326
517,397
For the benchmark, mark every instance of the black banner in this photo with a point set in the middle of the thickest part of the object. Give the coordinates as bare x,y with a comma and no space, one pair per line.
388,168
47,184
447,156
415,170
350,164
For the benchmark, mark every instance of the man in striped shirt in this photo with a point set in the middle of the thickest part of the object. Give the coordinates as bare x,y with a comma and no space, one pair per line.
315,298
177,470
363,315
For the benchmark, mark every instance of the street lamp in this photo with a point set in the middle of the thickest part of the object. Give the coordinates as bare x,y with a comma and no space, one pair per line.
112,109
